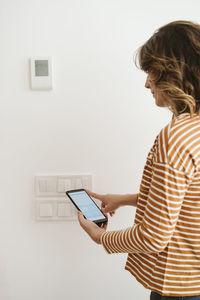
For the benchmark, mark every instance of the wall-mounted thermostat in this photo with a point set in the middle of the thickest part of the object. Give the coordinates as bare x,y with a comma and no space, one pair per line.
41,73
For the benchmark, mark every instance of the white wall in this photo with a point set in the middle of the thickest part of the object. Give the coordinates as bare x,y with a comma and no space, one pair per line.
99,119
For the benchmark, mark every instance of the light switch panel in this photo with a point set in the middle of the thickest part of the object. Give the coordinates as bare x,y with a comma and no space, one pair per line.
57,185
46,210
64,210
52,203
55,210
64,184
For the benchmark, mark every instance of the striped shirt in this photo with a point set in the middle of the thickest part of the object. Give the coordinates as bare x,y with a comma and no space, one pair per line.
163,245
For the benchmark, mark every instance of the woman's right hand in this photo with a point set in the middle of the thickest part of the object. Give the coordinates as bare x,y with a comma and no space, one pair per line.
109,202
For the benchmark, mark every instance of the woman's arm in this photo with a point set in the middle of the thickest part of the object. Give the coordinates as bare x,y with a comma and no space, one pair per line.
111,202
130,199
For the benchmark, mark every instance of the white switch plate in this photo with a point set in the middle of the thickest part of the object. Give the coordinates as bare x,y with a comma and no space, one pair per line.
64,185
56,185
46,210
64,210
52,203
55,210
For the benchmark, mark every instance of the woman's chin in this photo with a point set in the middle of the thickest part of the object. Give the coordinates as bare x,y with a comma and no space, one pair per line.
161,103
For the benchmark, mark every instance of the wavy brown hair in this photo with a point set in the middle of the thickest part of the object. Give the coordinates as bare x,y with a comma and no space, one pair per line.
173,54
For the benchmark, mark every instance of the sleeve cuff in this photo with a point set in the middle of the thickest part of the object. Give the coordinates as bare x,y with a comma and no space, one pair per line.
103,242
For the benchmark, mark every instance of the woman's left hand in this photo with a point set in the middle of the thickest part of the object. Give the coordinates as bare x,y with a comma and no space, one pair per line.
92,229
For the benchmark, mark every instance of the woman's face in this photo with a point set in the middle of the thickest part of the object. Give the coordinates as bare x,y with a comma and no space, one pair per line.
158,96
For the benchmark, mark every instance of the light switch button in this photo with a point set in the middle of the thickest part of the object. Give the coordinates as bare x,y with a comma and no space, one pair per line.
46,210
64,185
67,184
78,183
64,210
42,186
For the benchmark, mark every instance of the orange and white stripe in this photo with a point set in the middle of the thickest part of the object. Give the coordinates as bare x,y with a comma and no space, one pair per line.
163,245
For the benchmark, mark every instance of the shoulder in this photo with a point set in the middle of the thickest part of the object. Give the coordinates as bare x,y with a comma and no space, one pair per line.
182,133
162,143
182,125
185,130
184,142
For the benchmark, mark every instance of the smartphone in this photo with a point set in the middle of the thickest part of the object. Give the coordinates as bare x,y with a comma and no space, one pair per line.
87,206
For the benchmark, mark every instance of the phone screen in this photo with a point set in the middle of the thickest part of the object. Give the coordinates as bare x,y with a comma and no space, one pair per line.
86,205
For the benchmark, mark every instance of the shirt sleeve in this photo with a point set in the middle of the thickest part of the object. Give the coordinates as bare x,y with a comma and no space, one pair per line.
164,202
165,196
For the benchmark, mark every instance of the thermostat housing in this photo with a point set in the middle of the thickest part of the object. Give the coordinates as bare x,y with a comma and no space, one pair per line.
41,73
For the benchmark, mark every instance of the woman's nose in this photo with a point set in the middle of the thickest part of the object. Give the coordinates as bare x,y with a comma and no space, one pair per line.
147,85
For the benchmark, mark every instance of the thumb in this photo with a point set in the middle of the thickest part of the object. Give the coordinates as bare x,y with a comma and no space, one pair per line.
80,217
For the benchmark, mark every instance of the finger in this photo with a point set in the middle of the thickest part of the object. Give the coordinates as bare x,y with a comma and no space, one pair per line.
105,209
85,224
102,205
112,213
95,195
80,217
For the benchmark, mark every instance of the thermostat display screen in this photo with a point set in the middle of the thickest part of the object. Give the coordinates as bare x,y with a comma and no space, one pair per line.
41,68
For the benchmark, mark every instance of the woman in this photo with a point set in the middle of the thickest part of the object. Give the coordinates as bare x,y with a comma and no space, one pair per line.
163,245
